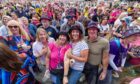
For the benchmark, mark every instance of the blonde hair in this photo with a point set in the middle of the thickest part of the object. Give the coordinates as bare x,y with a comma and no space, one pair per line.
38,31
24,18
5,16
21,30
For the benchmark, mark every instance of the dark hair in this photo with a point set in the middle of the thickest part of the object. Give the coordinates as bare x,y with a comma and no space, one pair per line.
9,59
104,18
55,15
65,34
76,27
1,7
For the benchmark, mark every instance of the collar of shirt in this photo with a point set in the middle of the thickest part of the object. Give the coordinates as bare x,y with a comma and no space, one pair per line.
98,38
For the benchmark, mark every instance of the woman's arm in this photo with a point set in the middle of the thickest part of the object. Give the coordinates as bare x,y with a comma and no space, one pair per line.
131,54
83,56
117,34
66,63
47,58
66,67
105,61
111,62
123,62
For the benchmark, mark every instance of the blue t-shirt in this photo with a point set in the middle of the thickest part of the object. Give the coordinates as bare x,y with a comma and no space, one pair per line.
51,32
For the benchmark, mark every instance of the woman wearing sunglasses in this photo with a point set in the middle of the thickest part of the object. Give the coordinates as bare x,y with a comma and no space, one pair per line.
19,42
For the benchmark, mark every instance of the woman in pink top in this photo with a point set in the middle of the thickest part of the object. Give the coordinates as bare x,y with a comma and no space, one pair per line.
56,59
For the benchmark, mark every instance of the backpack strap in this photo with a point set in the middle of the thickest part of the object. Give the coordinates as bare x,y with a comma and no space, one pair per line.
118,43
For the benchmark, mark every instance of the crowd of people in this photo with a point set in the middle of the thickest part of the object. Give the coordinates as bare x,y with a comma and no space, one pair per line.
68,43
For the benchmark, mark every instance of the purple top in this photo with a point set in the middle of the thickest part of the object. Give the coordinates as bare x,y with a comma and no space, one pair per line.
119,51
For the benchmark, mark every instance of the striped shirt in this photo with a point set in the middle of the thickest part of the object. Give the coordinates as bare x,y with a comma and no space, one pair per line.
76,50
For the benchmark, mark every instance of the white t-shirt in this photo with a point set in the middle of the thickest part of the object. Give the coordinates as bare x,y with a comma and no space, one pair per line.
76,49
3,31
103,27
37,47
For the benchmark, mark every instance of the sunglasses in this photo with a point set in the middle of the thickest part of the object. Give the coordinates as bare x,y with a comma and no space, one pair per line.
13,26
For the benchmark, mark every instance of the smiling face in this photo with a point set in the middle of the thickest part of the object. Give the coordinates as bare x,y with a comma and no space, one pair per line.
75,34
42,35
14,29
92,33
25,21
45,23
35,21
62,39
71,20
5,20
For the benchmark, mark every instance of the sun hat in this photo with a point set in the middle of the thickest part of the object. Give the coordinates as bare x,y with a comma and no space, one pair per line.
132,30
75,27
92,25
